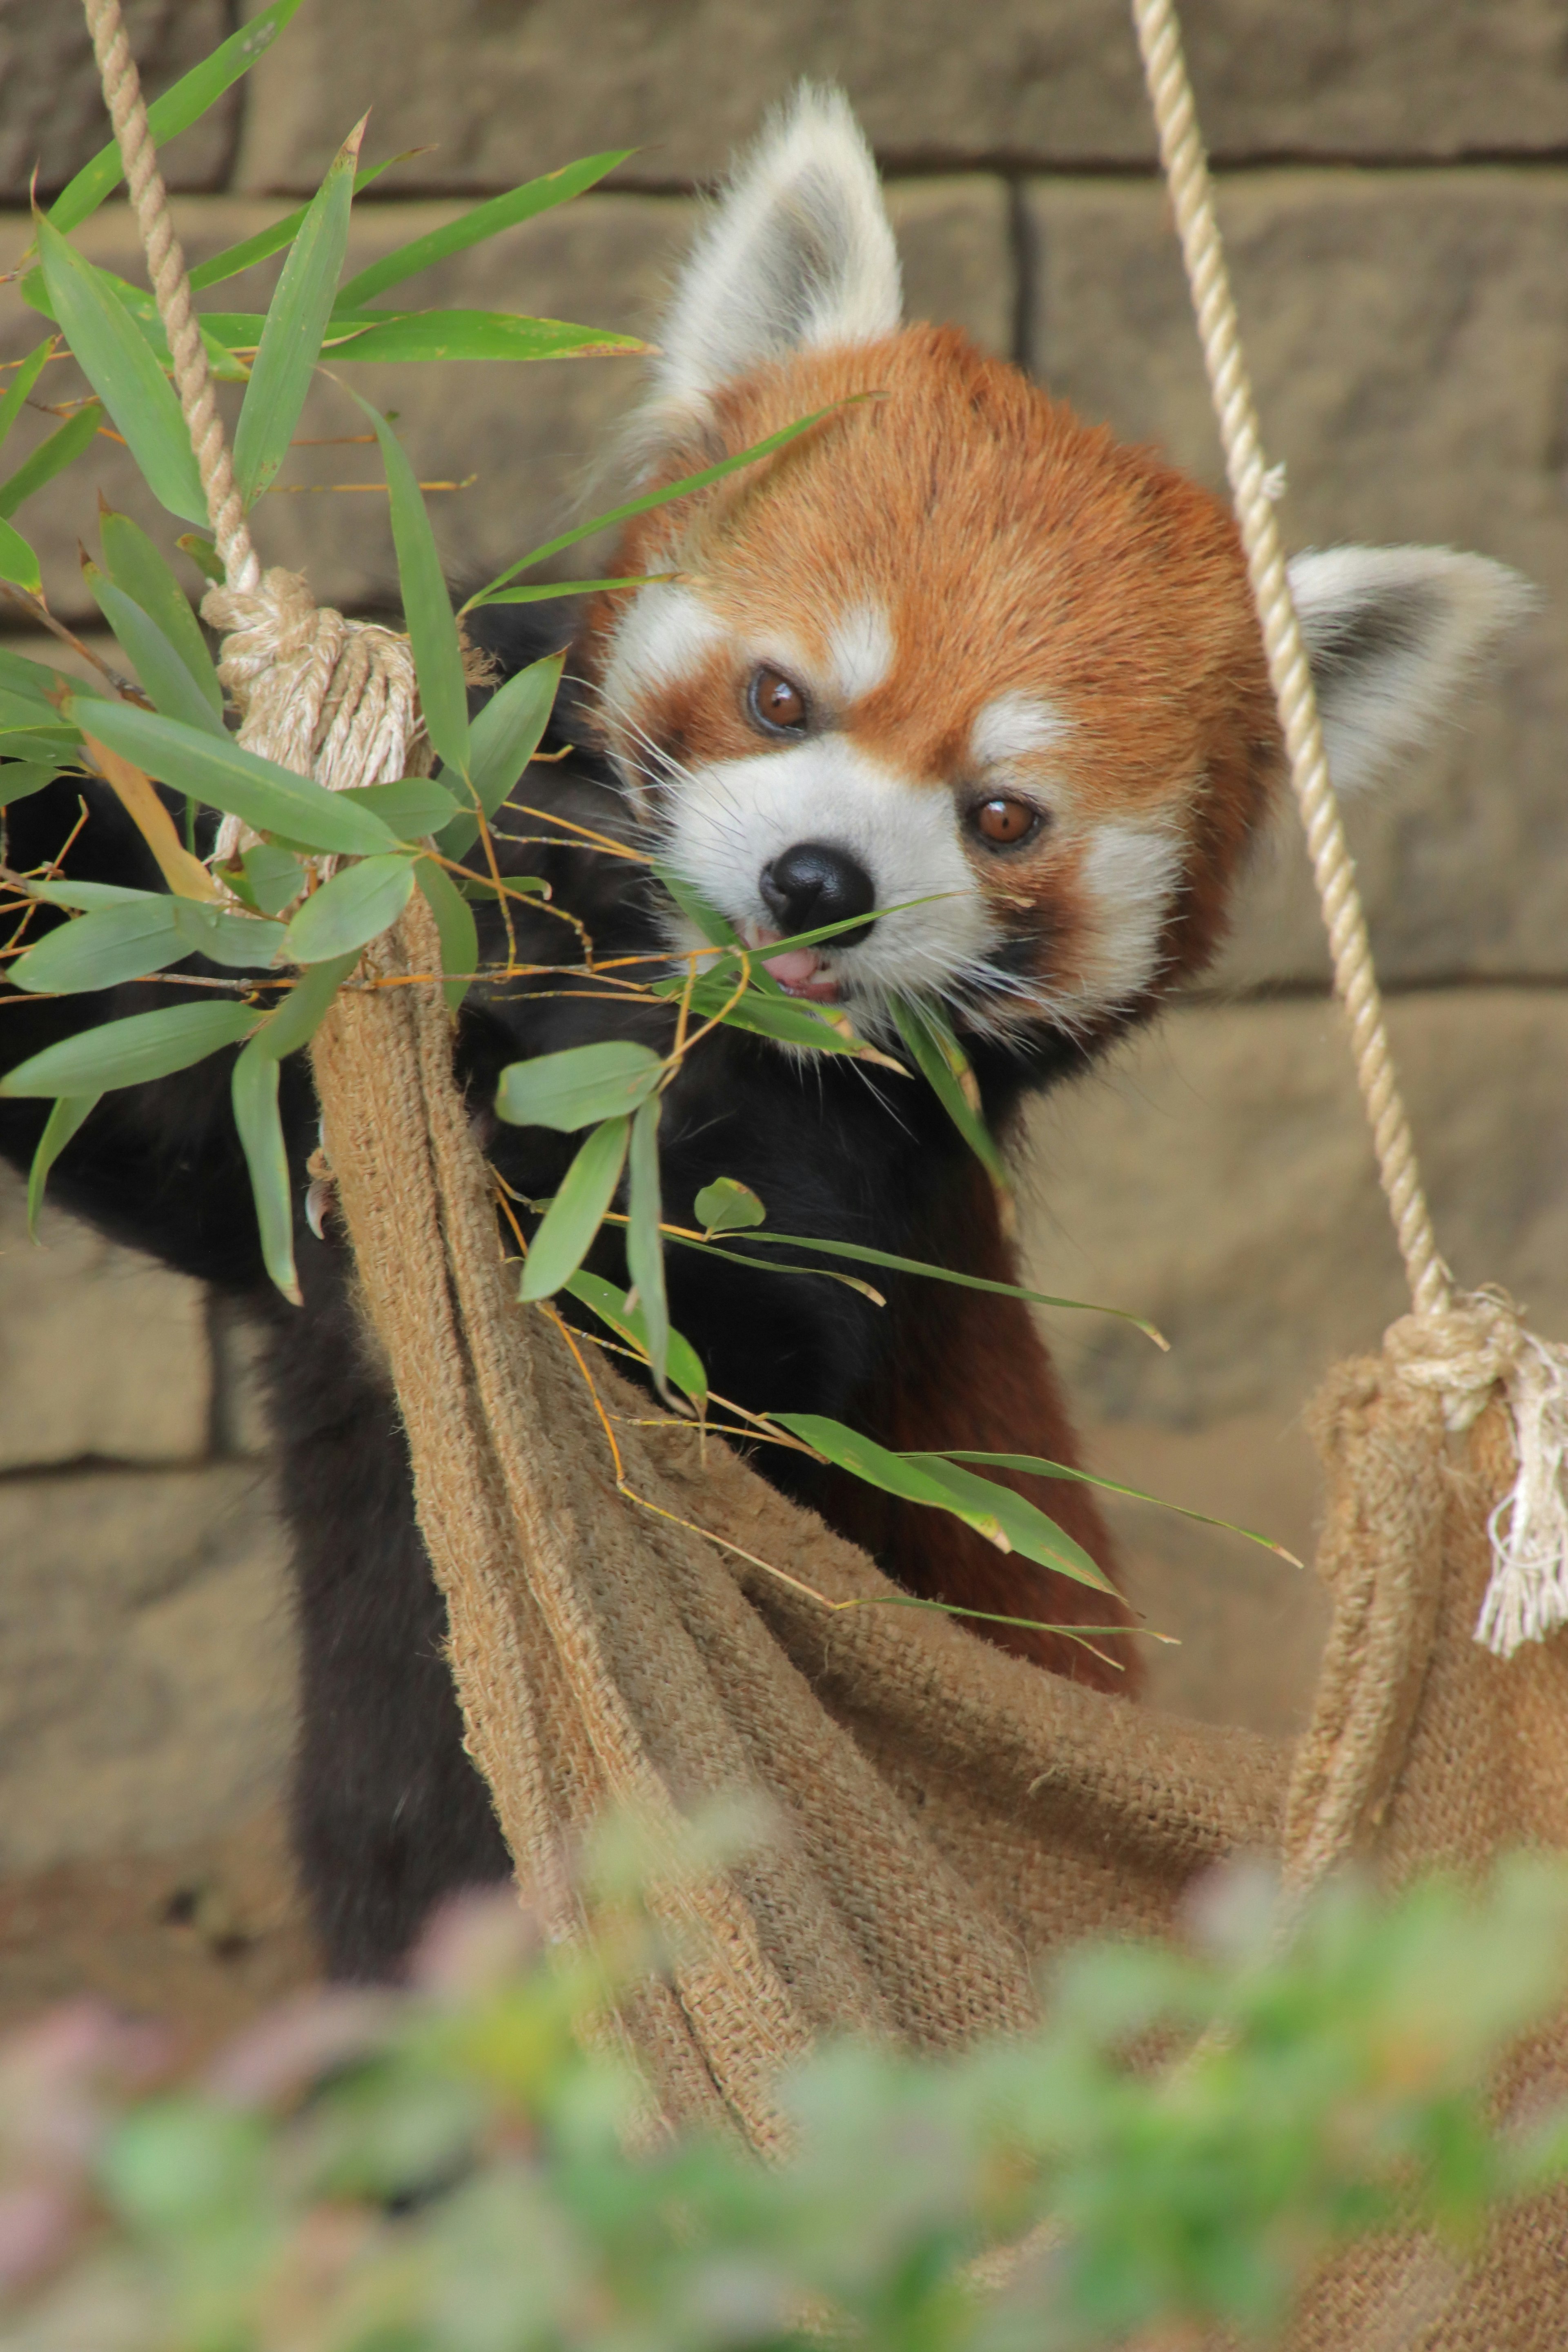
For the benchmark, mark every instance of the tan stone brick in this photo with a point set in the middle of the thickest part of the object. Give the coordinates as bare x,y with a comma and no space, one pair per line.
530,437
1218,1178
52,114
507,88
1408,334
101,1352
147,1688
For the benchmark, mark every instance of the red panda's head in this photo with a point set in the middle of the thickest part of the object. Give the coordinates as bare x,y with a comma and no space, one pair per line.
951,654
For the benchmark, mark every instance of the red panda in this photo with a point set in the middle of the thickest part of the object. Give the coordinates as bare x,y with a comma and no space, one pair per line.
951,668
955,655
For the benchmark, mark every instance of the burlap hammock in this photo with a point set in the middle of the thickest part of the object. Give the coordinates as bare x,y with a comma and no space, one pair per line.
945,1816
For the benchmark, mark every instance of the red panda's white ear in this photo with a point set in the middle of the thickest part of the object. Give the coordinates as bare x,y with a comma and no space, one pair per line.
1391,632
798,254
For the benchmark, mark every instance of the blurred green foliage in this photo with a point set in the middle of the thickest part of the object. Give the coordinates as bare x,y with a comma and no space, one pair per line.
464,2166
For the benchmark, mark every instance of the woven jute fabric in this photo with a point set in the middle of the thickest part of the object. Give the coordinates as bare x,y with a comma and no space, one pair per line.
943,1816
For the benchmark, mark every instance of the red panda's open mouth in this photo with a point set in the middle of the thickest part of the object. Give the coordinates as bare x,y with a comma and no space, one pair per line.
800,971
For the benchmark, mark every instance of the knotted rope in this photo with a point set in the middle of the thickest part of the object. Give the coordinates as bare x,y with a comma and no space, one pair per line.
1459,1345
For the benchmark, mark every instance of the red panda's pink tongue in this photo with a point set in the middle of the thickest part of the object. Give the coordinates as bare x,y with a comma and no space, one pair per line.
796,967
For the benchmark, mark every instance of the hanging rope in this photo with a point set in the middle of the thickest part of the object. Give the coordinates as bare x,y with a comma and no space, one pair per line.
1458,1345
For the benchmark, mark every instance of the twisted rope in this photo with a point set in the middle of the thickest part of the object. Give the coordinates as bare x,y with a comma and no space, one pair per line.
328,697
1355,977
171,290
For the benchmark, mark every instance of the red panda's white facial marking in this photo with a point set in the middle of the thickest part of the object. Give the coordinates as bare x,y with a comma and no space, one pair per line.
954,647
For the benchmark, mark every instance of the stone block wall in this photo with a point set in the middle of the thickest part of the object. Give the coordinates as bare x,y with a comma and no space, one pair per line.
1395,198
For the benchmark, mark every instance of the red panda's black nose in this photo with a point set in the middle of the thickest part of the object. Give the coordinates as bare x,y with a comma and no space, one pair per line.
813,884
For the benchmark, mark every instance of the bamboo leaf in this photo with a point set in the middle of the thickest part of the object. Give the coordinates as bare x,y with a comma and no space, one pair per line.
1025,1524
429,335
254,1089
269,241
128,1052
99,950
942,1062
686,1366
275,876
177,108
542,590
22,383
573,1089
17,561
728,1206
502,740
114,357
37,681
427,607
139,304
660,498
203,554
50,458
354,907
864,1458
69,1114
164,675
186,874
139,570
645,1244
574,1216
19,778
305,1007
89,896
1039,1467
410,807
715,928
238,942
455,927
486,220
296,320
268,798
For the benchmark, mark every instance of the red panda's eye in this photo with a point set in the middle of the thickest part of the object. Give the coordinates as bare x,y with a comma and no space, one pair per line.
1003,822
776,703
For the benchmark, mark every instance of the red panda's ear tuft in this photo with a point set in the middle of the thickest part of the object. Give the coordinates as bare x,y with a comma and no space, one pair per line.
797,254
1392,634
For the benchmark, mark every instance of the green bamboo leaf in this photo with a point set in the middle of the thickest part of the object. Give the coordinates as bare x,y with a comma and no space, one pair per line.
128,1052
165,676
427,335
502,740
714,927
848,1449
305,1007
254,1088
101,950
1025,1524
203,554
275,876
113,355
728,1206
427,608
574,1216
411,806
69,1114
19,778
35,680
894,1264
540,591
139,570
238,942
486,220
269,241
21,384
355,905
651,498
268,798
60,744
175,111
455,927
51,457
573,1089
88,897
296,320
645,1244
942,1062
17,561
607,1302
1037,1467
142,306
